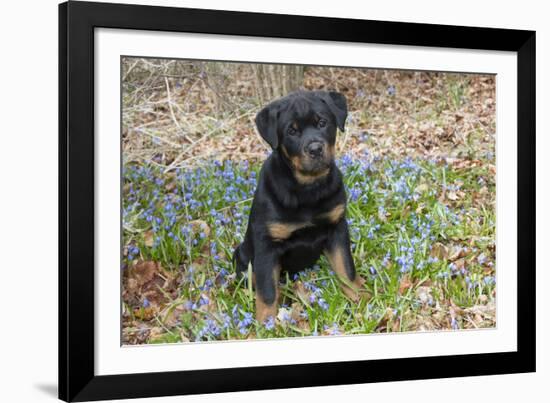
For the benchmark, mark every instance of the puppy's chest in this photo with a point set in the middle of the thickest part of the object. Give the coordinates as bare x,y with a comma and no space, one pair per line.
282,230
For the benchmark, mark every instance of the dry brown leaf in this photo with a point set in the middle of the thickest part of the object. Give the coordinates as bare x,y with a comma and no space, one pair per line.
460,264
405,284
396,325
143,272
439,251
144,313
452,195
296,310
171,315
200,226
388,316
301,291
424,294
131,285
456,252
149,238
155,333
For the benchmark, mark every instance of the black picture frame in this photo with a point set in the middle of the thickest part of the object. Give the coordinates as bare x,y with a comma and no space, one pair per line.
77,21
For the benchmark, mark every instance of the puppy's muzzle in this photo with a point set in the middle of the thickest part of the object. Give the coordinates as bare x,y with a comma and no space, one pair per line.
315,149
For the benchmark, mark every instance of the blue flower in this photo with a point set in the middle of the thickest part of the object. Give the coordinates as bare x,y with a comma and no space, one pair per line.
481,259
203,300
286,317
489,280
226,321
210,328
243,324
323,304
454,324
354,194
235,313
269,324
334,330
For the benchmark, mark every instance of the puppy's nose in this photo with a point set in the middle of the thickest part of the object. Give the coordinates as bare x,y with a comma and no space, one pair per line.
315,149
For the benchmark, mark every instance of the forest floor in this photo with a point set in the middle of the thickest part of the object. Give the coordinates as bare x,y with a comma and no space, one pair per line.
419,167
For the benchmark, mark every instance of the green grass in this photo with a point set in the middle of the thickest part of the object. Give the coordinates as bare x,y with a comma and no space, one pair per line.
422,234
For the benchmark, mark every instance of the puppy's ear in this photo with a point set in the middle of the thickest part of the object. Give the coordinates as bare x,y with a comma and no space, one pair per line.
337,105
266,122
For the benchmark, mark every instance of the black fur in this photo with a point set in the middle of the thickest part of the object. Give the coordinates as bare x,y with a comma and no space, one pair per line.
302,127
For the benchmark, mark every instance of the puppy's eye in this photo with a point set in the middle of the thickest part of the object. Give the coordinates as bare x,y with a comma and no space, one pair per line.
291,130
321,123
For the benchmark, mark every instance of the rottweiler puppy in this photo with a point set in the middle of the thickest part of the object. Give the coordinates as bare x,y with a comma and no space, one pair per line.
299,207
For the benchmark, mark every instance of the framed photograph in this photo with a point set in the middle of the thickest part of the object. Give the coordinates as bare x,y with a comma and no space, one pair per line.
257,201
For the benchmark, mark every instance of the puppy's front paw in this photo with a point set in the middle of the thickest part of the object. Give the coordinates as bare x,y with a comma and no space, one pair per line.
265,311
354,290
263,315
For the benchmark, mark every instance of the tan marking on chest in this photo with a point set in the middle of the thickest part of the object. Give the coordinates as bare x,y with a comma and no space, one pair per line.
302,178
335,214
308,179
280,231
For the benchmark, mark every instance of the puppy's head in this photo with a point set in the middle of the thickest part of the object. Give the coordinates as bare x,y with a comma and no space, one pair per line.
302,126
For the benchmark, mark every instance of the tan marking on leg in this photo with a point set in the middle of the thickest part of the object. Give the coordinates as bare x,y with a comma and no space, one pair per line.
263,310
353,288
280,231
335,214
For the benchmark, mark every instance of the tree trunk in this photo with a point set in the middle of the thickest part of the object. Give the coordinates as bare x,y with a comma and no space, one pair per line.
274,81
